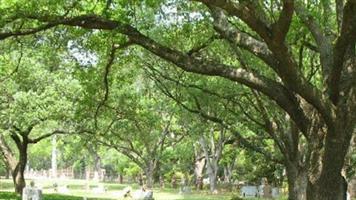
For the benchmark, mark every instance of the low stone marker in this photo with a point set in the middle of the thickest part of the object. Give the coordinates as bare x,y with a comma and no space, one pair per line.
143,195
31,192
265,191
249,191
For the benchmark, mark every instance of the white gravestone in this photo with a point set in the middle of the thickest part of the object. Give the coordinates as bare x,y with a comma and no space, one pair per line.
31,193
249,191
143,195
275,192
206,181
260,190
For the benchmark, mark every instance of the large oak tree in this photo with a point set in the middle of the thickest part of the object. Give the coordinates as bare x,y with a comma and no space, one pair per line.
323,109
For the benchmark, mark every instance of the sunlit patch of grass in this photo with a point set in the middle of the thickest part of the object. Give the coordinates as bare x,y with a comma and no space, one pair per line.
13,196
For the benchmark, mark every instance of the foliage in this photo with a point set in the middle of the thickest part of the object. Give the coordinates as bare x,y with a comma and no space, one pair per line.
141,76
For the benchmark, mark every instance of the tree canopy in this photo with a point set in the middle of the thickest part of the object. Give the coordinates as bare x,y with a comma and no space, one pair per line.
280,72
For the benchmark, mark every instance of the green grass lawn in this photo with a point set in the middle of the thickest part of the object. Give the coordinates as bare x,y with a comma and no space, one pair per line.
78,190
158,196
13,196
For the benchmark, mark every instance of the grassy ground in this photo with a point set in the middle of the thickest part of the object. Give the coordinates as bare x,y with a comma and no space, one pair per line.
78,190
13,196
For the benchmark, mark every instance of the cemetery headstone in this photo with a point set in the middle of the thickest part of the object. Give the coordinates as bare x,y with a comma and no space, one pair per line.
206,181
148,195
143,194
31,192
249,191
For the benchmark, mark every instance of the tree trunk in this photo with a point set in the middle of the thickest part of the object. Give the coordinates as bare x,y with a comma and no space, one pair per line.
149,177
297,183
174,181
9,157
97,167
149,171
19,181
121,178
8,172
330,184
198,171
212,170
199,183
199,165
18,173
213,183
87,173
324,190
213,160
161,181
54,157
228,173
140,180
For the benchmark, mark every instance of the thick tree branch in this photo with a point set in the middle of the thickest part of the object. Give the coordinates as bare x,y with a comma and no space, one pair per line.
7,153
202,46
16,139
240,39
110,62
5,35
245,12
339,12
324,43
346,40
37,139
281,27
162,140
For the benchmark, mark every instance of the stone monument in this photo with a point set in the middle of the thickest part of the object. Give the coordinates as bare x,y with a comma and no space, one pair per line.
31,192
